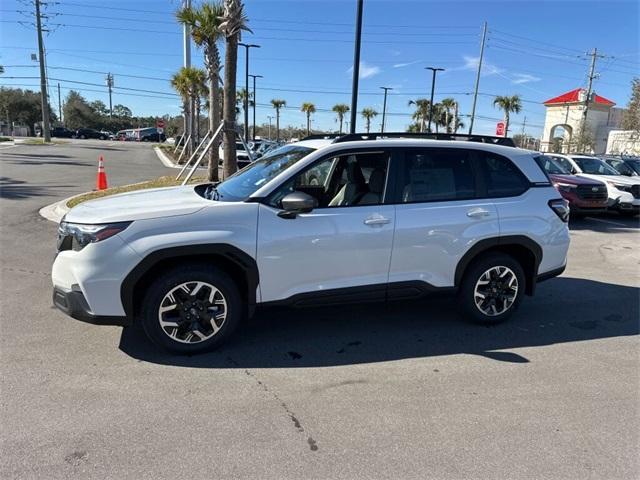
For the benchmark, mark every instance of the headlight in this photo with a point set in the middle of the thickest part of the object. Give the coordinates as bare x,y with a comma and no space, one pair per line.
565,187
624,188
76,236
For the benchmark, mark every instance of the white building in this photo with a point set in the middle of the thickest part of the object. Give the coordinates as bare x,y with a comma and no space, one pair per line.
563,120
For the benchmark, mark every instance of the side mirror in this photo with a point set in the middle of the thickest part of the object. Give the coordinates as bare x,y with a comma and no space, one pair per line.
296,203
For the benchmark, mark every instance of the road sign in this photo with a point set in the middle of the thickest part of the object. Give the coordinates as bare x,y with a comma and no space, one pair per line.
160,130
159,123
500,129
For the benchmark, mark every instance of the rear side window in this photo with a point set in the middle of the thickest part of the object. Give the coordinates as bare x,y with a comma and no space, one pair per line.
501,177
432,175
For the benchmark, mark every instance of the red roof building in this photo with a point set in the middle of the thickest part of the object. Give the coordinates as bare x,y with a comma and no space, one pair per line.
577,96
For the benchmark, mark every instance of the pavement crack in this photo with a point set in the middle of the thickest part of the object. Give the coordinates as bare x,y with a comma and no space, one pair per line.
23,270
313,446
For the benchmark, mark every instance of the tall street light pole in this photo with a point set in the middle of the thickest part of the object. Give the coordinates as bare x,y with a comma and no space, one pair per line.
186,62
475,90
356,68
384,107
246,46
253,136
433,87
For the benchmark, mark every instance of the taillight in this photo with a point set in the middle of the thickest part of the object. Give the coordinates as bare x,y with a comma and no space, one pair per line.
561,208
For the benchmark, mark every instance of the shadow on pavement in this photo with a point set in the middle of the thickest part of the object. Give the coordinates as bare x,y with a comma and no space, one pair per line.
34,155
563,310
609,223
13,189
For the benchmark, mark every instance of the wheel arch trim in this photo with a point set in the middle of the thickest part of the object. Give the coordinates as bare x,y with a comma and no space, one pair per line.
239,258
520,241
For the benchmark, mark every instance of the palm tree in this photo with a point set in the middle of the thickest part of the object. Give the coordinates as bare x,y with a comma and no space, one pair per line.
197,82
447,105
308,108
278,104
422,111
233,22
508,105
188,82
341,109
368,114
240,98
204,22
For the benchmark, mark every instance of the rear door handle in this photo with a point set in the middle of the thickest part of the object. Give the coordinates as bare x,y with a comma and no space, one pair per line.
377,219
478,213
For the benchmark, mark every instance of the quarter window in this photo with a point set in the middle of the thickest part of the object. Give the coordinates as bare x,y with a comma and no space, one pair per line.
431,175
502,178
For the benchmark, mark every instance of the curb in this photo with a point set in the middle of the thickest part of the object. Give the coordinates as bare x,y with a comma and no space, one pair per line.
166,161
57,210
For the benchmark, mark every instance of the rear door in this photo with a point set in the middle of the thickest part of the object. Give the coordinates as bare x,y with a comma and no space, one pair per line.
439,216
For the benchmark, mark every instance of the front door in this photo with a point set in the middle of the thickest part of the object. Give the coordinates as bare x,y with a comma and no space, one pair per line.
341,249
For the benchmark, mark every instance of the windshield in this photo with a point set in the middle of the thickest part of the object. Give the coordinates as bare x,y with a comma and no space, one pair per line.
635,164
550,166
241,185
594,166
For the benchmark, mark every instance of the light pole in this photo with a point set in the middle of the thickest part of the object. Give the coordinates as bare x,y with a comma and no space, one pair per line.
356,68
384,107
269,117
253,136
246,46
433,87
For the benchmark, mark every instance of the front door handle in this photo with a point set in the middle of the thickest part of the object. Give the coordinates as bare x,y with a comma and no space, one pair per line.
376,219
478,213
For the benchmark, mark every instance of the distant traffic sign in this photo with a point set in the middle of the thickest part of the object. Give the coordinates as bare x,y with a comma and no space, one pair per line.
500,126
159,123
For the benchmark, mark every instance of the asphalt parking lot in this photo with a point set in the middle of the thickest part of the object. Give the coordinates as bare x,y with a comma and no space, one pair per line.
400,391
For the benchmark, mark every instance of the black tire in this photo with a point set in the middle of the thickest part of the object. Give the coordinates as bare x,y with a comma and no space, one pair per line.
473,273
83,137
156,292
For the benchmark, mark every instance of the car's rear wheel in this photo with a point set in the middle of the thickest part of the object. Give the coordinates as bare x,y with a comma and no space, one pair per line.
491,289
83,137
191,309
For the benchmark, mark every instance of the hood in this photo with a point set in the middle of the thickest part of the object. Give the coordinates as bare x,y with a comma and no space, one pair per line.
619,179
138,205
573,179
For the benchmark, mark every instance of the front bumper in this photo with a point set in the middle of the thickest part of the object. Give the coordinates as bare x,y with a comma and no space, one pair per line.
75,305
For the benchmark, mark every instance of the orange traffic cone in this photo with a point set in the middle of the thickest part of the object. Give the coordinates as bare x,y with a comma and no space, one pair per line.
101,180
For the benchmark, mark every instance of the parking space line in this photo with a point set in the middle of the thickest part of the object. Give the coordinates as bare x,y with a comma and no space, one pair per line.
618,224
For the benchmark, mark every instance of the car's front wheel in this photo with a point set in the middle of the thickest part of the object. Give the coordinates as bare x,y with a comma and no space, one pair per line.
492,288
191,309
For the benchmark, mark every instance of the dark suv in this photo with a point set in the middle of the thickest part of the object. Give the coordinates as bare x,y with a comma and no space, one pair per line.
61,132
90,133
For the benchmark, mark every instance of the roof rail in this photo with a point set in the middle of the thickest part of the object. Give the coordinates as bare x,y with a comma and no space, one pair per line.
354,137
321,136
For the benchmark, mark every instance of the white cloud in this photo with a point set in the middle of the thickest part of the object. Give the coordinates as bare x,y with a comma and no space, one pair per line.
366,70
519,78
401,65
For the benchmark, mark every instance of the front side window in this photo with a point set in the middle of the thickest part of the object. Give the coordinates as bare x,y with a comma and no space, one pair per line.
502,178
342,181
430,175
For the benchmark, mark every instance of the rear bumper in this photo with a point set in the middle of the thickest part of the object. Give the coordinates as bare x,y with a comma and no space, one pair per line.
75,305
550,274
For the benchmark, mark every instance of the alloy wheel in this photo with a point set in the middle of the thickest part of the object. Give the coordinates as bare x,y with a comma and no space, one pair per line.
496,291
192,312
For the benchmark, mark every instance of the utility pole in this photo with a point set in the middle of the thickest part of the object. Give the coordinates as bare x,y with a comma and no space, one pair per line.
186,62
524,138
475,90
433,87
246,46
269,117
59,106
46,132
592,74
110,86
253,136
356,68
384,107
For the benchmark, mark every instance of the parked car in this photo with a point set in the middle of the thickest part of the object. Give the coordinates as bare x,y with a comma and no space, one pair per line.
241,154
390,219
90,133
584,195
61,132
624,192
124,135
261,147
107,134
149,134
629,166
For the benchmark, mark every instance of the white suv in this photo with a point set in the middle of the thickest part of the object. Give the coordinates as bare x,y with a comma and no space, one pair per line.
317,222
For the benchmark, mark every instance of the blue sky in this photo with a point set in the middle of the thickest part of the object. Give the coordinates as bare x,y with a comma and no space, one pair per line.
535,49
